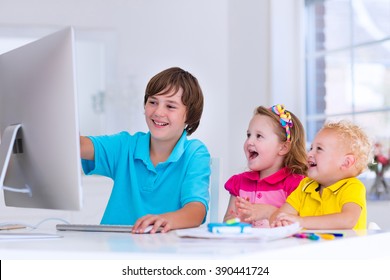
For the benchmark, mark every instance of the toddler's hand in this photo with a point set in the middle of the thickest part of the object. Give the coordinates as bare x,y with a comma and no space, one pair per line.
284,219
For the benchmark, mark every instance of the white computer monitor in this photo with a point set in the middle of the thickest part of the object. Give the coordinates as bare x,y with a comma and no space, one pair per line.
40,150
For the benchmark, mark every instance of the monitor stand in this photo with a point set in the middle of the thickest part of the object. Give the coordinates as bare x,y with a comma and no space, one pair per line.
7,145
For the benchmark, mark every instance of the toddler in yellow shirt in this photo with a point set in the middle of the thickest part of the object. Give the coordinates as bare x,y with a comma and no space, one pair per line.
331,197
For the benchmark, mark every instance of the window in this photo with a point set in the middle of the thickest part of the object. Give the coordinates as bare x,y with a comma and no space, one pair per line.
348,64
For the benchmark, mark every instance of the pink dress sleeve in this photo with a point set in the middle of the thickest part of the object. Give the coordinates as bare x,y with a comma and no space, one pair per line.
292,182
233,185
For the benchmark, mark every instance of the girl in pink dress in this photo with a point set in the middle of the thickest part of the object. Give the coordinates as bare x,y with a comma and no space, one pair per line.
275,149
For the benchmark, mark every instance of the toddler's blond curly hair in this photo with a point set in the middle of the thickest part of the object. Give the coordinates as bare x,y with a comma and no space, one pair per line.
355,139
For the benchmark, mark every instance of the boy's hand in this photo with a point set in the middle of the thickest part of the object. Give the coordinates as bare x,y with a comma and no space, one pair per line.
157,221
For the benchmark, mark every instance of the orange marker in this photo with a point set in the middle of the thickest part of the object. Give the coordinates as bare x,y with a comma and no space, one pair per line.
327,236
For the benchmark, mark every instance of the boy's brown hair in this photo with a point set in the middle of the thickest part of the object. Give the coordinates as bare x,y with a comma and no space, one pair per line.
176,78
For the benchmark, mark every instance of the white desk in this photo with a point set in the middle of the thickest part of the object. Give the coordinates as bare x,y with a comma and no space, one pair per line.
94,246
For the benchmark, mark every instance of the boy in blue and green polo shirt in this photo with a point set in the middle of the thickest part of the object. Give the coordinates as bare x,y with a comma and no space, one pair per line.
161,178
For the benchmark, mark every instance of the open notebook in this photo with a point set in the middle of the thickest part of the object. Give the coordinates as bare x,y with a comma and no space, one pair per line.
265,234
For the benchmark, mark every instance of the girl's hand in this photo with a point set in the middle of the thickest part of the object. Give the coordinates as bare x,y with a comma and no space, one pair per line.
252,212
158,221
245,210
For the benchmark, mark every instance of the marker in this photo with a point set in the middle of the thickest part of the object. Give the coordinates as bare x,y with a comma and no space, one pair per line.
335,234
313,236
232,228
327,236
310,236
233,221
299,235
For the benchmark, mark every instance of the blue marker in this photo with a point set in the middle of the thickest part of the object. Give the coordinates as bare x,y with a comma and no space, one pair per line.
335,234
229,228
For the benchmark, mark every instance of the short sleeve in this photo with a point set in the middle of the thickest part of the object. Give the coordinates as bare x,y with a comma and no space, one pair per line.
108,150
292,183
195,187
233,185
354,192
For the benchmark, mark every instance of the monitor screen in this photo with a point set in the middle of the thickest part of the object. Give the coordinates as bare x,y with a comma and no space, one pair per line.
40,149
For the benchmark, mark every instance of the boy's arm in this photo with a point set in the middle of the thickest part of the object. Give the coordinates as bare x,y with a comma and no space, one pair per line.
346,219
191,215
87,150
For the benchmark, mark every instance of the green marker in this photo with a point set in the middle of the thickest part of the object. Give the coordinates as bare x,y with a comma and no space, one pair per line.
233,221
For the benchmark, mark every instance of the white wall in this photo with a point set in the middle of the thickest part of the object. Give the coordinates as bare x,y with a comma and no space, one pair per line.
239,51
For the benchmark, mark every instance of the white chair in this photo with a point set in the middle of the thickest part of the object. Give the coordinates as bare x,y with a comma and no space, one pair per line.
373,226
212,215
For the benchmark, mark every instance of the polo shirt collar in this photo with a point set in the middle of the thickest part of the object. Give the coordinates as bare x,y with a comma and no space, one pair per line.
312,186
142,150
272,179
179,148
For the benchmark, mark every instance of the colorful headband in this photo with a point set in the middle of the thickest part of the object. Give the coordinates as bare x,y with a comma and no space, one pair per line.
284,117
